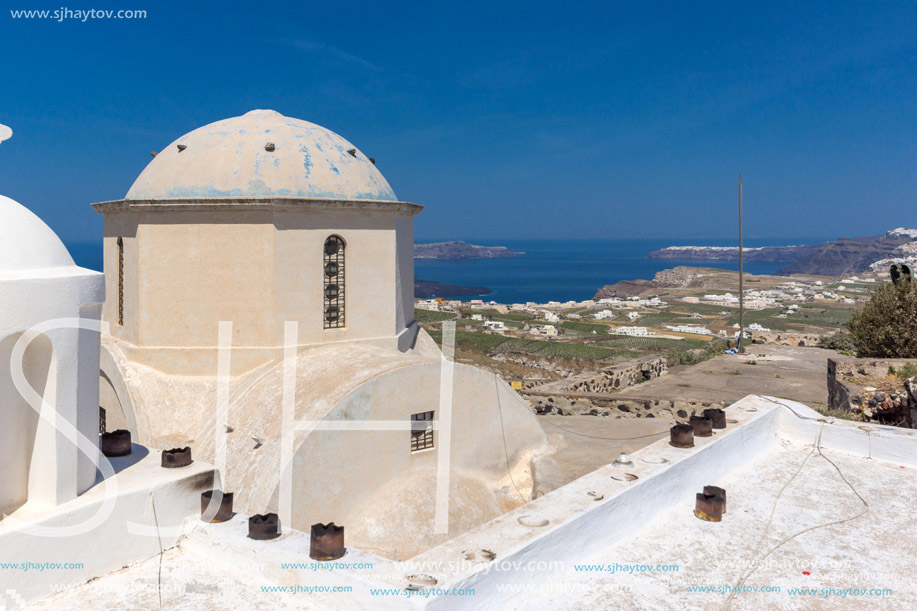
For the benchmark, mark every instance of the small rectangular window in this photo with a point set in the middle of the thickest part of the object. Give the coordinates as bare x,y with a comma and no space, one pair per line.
421,431
333,288
120,282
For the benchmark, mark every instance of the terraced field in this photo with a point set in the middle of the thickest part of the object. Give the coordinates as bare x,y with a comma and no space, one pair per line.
585,328
651,343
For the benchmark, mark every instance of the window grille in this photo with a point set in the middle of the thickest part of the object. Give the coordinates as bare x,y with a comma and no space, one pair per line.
421,431
333,290
120,282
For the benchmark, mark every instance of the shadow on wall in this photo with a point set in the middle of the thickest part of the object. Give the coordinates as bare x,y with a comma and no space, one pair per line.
20,421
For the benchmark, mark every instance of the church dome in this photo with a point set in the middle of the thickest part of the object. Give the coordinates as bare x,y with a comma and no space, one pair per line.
261,154
26,242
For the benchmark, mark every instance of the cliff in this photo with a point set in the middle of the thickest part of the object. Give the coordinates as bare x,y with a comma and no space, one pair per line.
843,256
461,250
847,256
788,254
677,277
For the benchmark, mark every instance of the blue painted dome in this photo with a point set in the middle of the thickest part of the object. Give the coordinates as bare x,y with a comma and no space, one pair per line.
261,154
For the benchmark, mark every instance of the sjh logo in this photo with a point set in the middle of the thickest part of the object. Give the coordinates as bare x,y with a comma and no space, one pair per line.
11,598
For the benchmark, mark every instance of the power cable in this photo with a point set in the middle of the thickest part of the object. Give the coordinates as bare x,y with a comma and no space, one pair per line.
754,566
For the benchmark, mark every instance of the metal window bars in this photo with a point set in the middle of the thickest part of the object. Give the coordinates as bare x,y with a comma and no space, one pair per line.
333,289
421,431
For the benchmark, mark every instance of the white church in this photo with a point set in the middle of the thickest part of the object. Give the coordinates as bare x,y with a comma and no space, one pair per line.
256,307
287,238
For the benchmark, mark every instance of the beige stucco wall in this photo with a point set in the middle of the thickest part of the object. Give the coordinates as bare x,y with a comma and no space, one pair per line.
363,479
368,480
389,504
195,269
370,273
189,267
185,271
115,418
123,225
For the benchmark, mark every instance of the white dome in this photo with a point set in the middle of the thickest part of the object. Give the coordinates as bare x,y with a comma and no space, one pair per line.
232,158
26,242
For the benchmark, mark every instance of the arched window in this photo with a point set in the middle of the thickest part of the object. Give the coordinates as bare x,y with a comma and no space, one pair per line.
333,274
120,281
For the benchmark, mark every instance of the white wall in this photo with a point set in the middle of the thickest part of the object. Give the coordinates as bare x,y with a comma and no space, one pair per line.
62,366
17,436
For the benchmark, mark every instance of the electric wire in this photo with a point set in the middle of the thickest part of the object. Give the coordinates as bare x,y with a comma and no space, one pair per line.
503,429
817,447
606,438
161,550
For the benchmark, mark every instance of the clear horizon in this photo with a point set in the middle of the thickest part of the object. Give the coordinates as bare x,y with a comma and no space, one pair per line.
522,121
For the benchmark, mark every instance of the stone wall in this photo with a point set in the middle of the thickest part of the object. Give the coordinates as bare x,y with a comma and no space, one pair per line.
621,376
617,407
782,338
865,386
592,393
555,365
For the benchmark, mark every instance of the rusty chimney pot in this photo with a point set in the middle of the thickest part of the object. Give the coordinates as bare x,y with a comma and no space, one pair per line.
264,527
327,542
709,507
223,509
716,491
116,443
718,417
176,458
682,436
702,425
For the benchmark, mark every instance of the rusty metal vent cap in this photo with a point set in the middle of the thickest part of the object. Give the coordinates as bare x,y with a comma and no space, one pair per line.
116,443
702,425
718,492
682,436
709,507
717,416
176,458
216,512
327,542
263,527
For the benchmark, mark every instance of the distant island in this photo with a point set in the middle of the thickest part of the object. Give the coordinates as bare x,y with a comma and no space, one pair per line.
427,289
677,277
842,256
461,251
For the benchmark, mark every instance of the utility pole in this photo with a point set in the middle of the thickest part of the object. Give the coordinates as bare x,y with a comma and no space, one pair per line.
741,346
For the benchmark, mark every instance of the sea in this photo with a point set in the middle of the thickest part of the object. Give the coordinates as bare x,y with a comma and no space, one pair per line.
550,270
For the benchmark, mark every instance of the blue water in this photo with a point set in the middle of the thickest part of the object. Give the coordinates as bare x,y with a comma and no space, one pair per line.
558,270
562,270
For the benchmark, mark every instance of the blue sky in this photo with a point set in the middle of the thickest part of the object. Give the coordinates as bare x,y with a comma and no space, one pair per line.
506,120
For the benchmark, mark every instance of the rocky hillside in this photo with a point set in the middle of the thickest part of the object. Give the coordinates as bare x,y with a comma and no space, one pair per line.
847,256
676,277
843,256
461,250
731,253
